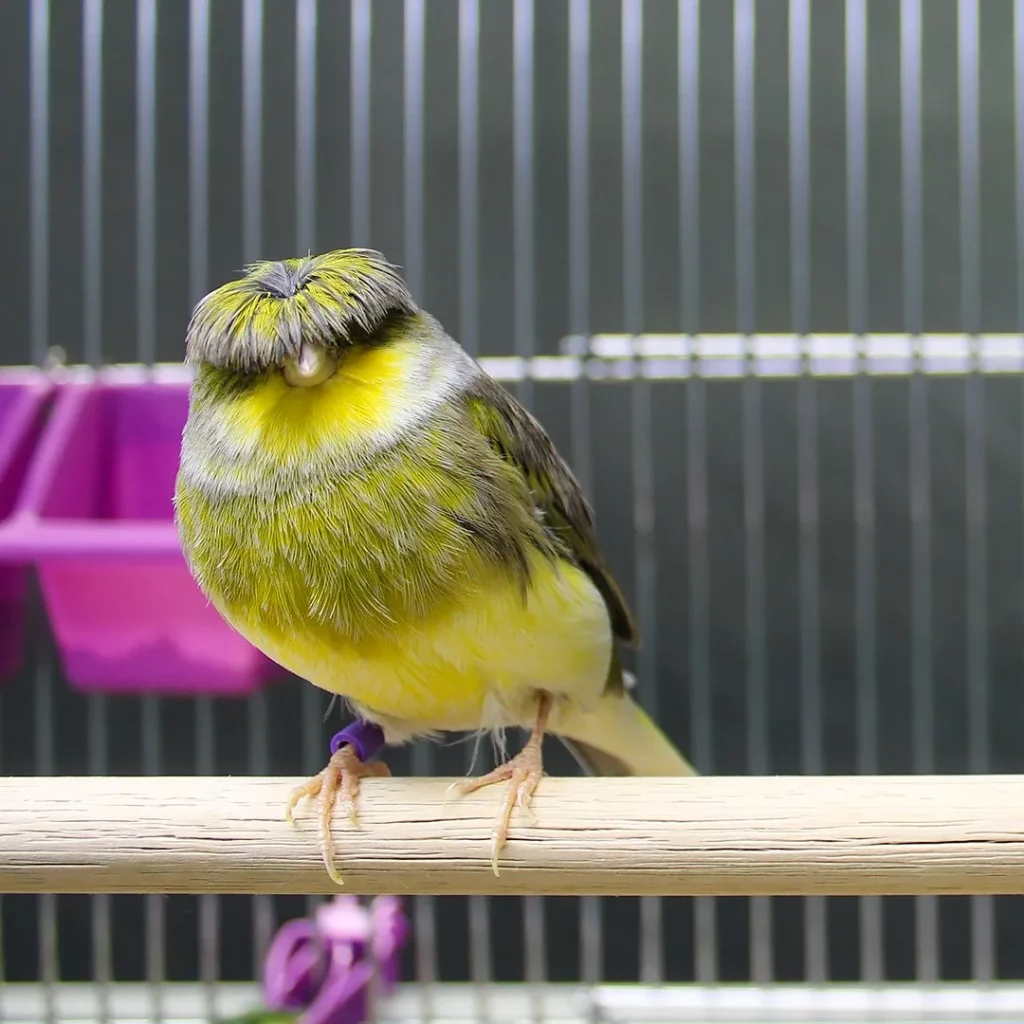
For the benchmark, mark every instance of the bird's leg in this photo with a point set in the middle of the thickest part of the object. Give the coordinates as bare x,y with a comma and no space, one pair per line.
523,773
351,749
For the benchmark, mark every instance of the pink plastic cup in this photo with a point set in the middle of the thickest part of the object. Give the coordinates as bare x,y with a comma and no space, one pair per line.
96,517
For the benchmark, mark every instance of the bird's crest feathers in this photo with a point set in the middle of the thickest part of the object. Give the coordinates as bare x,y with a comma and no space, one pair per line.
260,319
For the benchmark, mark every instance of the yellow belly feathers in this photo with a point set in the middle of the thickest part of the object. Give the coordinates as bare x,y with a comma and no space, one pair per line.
475,665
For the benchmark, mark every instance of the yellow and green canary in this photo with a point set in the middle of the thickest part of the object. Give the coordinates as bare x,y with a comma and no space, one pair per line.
362,502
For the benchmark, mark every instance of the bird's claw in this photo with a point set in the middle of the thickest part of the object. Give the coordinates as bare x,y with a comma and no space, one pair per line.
523,774
341,776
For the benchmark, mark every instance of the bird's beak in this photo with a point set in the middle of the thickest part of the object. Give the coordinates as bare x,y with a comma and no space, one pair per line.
312,366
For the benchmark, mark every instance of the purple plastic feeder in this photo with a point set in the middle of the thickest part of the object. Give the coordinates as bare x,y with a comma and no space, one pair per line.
22,401
96,515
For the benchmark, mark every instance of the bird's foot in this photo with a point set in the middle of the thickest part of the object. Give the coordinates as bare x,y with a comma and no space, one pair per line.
341,777
523,774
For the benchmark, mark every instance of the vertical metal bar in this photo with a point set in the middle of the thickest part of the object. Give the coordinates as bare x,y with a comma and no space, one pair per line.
414,50
910,147
1018,110
259,764
92,343
522,194
102,966
252,130
1018,125
252,244
922,682
305,124
591,923
48,949
39,240
469,174
198,167
744,29
469,335
198,146
39,176
145,261
209,907
800,180
360,33
870,907
702,751
313,757
978,739
800,183
811,740
313,754
523,332
632,169
651,960
305,242
145,173
857,164
92,179
744,41
155,945
579,234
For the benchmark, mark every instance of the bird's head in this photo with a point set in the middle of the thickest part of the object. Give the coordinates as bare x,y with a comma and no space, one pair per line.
297,317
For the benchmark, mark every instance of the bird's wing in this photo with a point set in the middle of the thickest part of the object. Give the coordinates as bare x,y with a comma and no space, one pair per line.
521,441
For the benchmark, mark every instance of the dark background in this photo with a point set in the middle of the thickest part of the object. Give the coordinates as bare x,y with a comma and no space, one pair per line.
828,642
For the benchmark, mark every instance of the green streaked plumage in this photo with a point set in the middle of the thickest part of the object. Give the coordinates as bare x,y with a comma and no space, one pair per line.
362,552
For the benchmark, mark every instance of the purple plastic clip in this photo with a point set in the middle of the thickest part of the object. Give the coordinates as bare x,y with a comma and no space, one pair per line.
366,737
325,966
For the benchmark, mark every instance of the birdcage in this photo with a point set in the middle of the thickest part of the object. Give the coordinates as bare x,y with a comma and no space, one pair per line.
758,267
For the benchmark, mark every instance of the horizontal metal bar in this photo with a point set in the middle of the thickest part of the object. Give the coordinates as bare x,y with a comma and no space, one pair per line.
625,357
185,1003
793,354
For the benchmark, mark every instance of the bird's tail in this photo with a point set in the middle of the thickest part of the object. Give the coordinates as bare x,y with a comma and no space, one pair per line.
617,737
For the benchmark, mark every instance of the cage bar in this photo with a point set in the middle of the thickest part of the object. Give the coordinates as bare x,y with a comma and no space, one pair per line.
198,146
811,755
744,118
39,178
252,130
145,175
652,968
360,37
305,125
978,741
591,923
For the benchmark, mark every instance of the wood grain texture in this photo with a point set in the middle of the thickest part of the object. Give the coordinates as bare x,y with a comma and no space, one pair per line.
701,836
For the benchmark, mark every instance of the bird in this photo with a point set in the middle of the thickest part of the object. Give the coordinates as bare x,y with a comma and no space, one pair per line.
369,508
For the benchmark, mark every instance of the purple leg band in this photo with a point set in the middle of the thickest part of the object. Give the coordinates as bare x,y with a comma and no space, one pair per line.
366,737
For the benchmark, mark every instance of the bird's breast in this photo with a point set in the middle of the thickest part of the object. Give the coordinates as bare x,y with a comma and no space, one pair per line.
369,586
382,550
359,554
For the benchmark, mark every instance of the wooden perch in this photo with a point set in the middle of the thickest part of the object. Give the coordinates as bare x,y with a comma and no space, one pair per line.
679,837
